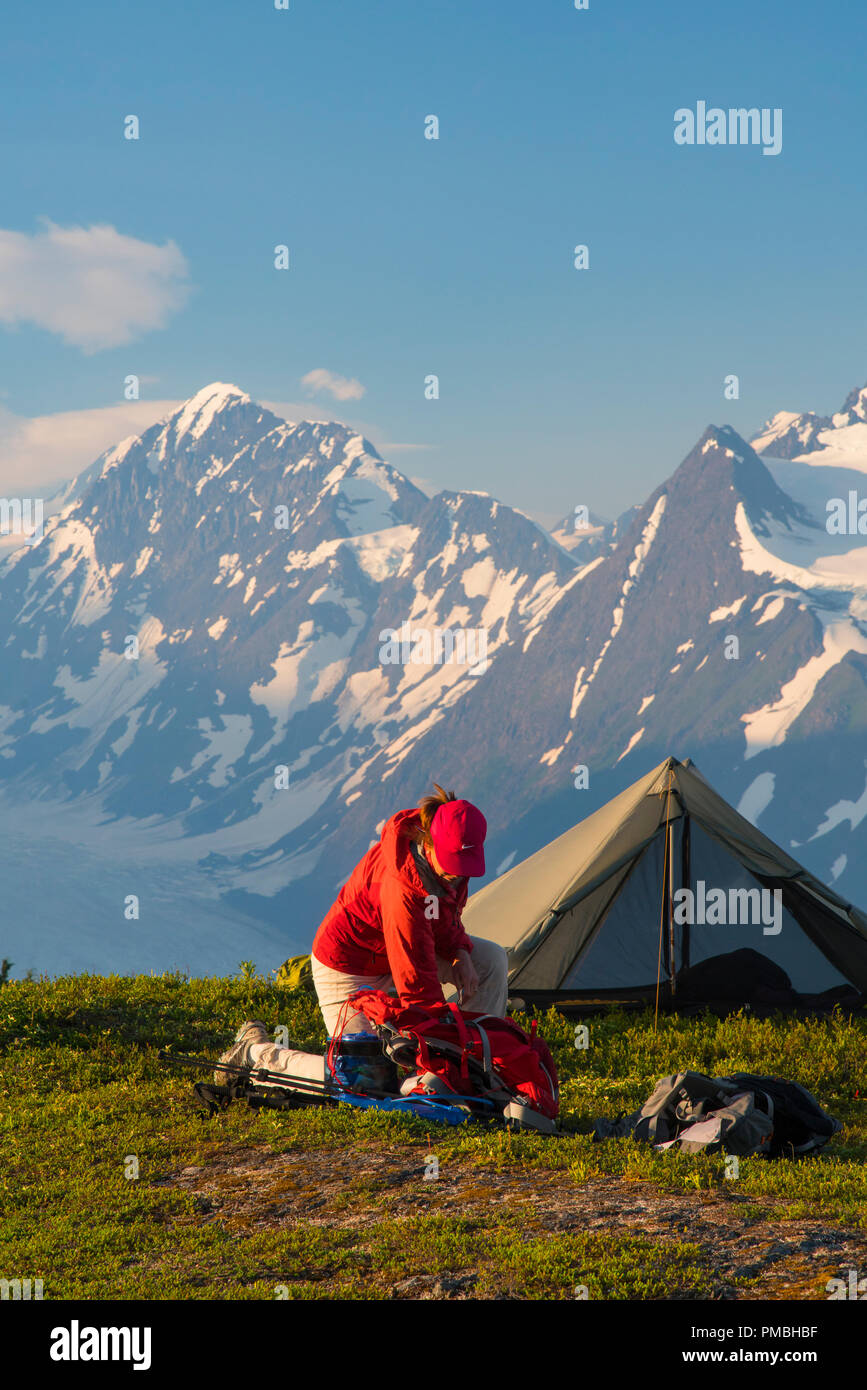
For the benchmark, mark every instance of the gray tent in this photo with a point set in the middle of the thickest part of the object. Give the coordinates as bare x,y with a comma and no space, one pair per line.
600,912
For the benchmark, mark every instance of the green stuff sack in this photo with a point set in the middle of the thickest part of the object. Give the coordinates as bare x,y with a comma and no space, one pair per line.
295,973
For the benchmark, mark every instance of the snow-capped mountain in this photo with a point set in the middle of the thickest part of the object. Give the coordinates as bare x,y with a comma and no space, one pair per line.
244,642
199,644
831,441
821,462
584,533
586,536
723,626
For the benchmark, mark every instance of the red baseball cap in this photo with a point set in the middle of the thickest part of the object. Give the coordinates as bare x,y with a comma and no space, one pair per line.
458,832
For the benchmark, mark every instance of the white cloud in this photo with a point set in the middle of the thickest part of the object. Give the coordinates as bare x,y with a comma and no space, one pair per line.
93,286
47,449
340,387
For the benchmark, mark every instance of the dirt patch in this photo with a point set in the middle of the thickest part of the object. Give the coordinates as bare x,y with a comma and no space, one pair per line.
256,1189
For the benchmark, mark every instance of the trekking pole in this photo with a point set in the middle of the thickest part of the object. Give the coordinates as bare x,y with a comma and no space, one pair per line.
258,1075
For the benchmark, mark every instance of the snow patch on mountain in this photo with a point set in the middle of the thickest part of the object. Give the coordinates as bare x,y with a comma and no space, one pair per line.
306,668
821,571
852,811
106,463
112,691
70,556
633,575
549,758
384,554
199,412
773,608
636,737
838,866
767,727
556,592
225,746
729,611
757,797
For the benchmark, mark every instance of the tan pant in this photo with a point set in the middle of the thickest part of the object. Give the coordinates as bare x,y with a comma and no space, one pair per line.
333,987
275,1058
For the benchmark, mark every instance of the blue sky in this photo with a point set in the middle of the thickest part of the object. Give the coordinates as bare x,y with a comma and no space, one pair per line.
452,257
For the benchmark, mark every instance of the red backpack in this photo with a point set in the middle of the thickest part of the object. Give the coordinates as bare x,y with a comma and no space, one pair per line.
465,1053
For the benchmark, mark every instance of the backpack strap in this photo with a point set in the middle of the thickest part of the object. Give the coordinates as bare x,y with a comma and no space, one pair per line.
487,1061
334,1042
463,1038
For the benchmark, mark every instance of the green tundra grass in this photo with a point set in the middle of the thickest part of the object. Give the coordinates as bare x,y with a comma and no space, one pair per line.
94,1134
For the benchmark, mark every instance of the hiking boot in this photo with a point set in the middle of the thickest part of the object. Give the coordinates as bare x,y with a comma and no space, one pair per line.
238,1054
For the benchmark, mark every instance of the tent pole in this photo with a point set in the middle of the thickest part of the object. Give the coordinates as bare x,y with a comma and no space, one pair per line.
672,968
686,876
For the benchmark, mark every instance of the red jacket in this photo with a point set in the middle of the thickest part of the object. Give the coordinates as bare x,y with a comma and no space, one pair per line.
383,921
